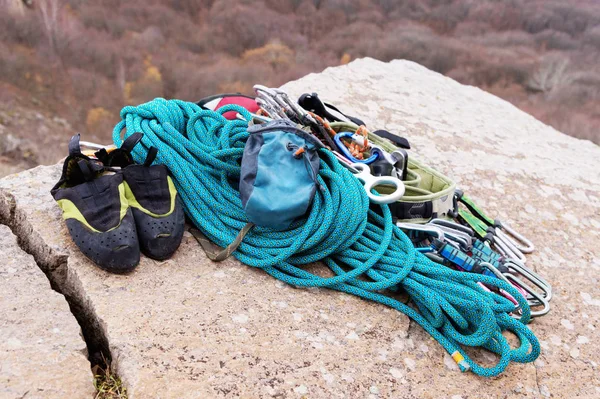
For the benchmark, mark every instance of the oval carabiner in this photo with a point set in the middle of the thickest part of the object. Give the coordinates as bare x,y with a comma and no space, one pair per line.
338,141
534,299
514,267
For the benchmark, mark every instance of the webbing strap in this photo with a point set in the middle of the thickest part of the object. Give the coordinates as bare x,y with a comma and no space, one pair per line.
475,210
399,141
312,103
220,254
85,170
131,142
474,222
152,151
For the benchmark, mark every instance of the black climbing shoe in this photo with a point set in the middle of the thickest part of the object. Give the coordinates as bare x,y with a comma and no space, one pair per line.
96,212
151,194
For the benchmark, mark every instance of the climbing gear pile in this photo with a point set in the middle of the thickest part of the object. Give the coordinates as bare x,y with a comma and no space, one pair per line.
281,184
114,208
354,235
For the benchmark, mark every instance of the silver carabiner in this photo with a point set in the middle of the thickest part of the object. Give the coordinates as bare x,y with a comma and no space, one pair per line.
423,228
268,106
527,246
454,232
502,277
267,98
453,225
531,276
537,300
93,146
506,246
285,99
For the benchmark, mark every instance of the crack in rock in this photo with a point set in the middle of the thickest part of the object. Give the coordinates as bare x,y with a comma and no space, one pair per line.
537,379
62,280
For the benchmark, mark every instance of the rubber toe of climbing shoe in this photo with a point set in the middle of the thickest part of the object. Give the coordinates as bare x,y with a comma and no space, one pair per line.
160,237
116,251
157,209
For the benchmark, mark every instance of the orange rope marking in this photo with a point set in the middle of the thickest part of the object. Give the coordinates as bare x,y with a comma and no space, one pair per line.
325,124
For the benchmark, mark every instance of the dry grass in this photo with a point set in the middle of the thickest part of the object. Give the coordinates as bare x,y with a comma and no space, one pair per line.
108,385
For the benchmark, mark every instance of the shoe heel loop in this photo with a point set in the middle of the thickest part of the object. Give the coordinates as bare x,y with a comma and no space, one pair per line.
151,156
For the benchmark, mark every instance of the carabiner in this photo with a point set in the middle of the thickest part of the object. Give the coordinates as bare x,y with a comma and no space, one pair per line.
511,235
459,234
300,112
338,141
513,267
477,218
413,229
453,225
538,300
502,277
268,106
267,99
506,246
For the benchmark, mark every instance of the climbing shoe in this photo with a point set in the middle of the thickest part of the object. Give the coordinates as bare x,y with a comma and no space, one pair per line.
151,194
96,211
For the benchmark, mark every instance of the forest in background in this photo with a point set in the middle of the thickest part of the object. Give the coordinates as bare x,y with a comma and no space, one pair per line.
82,61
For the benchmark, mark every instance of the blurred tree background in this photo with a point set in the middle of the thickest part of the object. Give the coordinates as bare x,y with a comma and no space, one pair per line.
83,60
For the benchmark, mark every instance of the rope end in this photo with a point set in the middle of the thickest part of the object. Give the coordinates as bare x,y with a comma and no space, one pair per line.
460,360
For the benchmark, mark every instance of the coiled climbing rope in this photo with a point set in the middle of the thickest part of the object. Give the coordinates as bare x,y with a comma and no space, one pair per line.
365,250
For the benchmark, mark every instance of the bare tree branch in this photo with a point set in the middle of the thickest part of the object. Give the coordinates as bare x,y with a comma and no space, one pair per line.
551,74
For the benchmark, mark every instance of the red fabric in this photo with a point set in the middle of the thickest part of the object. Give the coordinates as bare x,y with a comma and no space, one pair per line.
245,102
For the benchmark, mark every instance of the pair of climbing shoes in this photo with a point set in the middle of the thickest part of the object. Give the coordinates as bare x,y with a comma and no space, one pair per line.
115,208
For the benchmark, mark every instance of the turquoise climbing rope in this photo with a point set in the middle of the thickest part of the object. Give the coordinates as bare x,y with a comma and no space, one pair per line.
365,250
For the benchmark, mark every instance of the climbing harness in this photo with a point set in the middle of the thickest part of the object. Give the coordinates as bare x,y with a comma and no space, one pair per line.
354,237
429,194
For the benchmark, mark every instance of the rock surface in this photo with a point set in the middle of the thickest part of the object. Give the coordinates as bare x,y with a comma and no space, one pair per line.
192,328
42,352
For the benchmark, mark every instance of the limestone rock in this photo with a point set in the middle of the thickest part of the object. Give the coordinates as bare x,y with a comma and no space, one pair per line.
192,328
42,352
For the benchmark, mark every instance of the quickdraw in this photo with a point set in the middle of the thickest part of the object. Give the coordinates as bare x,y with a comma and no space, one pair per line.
451,244
509,242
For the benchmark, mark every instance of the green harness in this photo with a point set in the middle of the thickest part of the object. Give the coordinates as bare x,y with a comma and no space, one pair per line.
429,194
